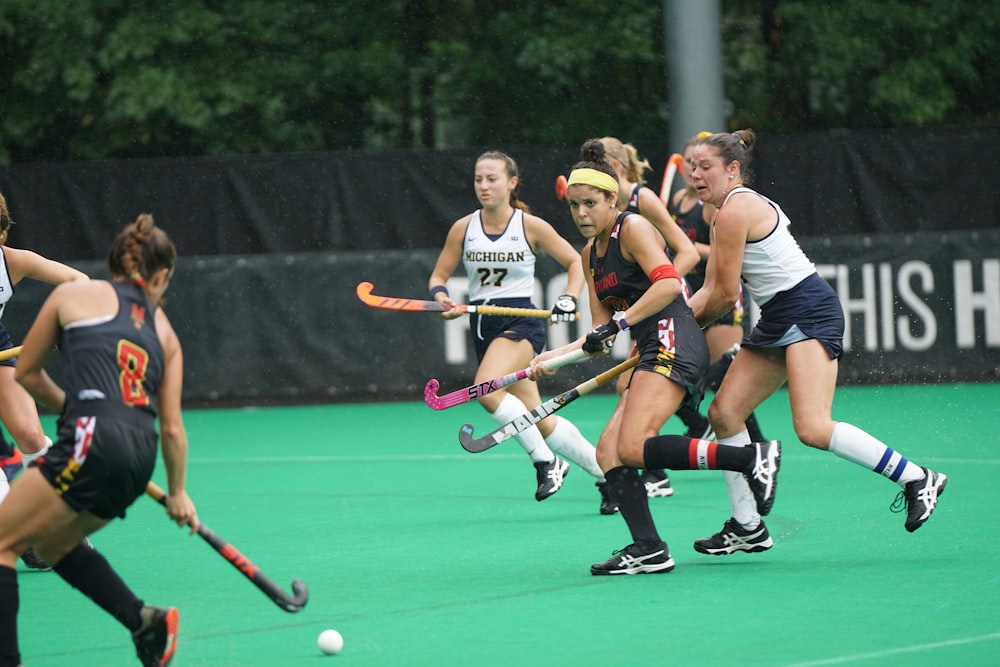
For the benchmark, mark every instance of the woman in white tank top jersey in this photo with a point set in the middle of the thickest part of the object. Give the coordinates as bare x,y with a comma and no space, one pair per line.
497,245
797,340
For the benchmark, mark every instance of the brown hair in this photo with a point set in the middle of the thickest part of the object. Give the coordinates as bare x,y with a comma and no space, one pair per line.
5,219
512,172
593,155
735,146
140,250
632,166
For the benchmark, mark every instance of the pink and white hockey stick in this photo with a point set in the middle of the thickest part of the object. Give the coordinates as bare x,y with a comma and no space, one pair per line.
475,391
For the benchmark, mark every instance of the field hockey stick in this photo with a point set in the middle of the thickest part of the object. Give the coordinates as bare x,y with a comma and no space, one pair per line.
417,305
562,188
290,603
11,353
475,391
673,164
526,421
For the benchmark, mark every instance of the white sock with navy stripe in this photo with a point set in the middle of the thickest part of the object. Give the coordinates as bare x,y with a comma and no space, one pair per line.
851,443
511,408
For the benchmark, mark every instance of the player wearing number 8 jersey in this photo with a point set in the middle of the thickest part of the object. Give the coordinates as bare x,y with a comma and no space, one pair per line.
122,369
496,245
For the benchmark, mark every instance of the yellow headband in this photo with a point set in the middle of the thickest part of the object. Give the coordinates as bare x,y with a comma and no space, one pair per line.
593,177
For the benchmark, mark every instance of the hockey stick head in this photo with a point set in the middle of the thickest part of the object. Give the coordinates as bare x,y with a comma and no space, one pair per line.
431,397
562,187
297,601
364,291
470,442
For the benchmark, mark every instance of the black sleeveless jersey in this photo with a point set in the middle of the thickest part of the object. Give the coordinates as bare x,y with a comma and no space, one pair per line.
114,365
633,207
693,224
619,284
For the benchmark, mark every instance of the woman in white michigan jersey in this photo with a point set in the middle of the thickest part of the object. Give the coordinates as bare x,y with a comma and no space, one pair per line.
497,246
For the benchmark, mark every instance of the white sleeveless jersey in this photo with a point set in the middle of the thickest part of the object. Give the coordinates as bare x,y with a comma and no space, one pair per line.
500,269
775,263
6,286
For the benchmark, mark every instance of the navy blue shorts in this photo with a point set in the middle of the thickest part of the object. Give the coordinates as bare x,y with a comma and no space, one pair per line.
5,344
485,329
811,309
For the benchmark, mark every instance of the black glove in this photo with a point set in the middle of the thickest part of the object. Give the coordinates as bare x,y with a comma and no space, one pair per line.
600,338
565,309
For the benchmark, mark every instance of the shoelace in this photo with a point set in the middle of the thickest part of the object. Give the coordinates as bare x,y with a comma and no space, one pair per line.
900,503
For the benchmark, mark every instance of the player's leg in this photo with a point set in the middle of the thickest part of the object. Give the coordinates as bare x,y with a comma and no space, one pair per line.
502,356
20,416
643,409
812,379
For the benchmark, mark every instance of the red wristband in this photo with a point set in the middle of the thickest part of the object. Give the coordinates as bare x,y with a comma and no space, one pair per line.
664,271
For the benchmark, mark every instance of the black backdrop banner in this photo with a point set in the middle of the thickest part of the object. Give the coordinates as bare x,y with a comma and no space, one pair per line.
858,182
282,328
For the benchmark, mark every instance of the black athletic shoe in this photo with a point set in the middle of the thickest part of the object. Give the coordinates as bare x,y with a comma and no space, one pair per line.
733,537
634,560
763,474
34,561
156,640
657,483
919,498
608,506
550,477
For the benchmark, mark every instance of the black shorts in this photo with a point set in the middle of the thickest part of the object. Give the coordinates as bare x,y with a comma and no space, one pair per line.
486,329
100,464
809,310
677,350
5,344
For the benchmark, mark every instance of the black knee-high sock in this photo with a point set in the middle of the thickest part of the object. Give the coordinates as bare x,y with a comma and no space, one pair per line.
10,655
679,452
753,428
89,572
626,488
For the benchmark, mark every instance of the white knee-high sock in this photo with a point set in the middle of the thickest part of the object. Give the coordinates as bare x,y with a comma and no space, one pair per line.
741,498
4,486
567,440
851,443
511,408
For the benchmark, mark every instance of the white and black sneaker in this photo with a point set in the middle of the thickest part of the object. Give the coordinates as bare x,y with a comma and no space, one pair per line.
919,498
634,560
657,483
763,475
733,537
550,477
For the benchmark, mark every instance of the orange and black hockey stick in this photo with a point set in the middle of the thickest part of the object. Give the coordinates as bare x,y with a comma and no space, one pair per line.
290,603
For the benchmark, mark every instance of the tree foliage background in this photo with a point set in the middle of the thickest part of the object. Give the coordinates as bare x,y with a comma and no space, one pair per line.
94,79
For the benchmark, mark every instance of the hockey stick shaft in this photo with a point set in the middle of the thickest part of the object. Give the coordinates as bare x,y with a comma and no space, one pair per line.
364,291
481,389
673,164
527,420
290,603
11,353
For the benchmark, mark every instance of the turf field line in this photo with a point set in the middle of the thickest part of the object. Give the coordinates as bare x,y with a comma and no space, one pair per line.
897,651
350,459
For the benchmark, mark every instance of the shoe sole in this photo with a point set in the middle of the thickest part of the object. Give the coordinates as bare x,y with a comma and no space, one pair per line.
657,568
725,551
659,492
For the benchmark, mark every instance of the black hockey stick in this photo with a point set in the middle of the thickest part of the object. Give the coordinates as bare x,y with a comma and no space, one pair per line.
526,421
290,603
